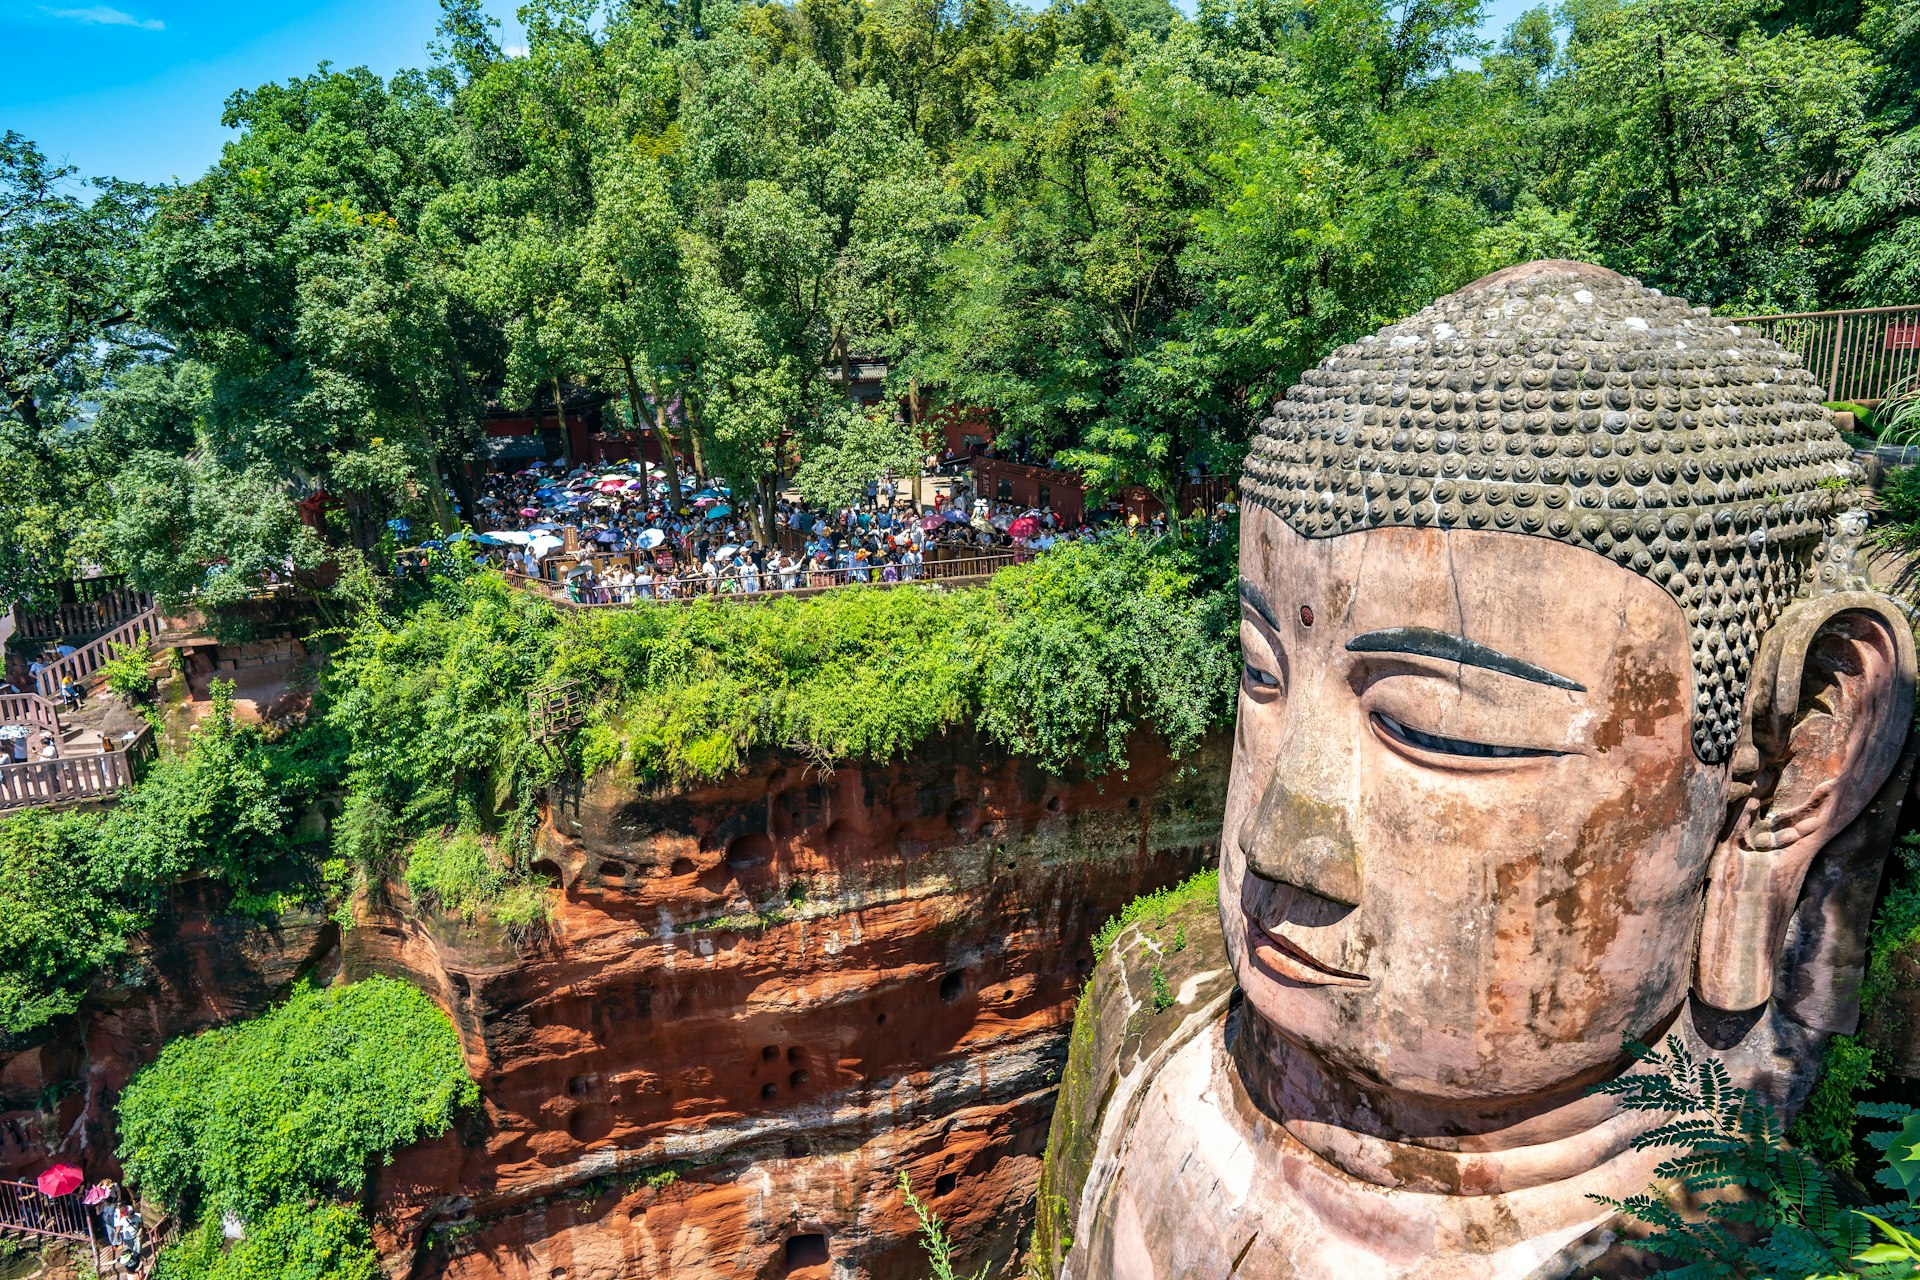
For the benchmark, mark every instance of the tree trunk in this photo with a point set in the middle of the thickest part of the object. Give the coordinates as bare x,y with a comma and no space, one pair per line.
1667,127
560,412
668,454
658,424
693,434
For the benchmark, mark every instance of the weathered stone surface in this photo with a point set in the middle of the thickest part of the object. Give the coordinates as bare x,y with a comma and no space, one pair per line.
902,1007
1508,792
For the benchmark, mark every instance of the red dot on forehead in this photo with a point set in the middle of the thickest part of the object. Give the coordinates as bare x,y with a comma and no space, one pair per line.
1306,615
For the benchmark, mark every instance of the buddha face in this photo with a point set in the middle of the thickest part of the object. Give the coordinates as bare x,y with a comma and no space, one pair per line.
1466,833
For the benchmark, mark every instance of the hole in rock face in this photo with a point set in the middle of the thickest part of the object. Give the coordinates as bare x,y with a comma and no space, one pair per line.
770,1052
768,1089
681,867
807,1251
799,1078
590,1123
964,816
462,987
952,985
945,1183
581,1086
795,1054
558,1273
1133,802
880,1020
755,849
613,870
1053,804
548,870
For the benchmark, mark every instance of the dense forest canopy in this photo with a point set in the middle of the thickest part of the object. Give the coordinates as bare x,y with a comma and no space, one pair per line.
1119,228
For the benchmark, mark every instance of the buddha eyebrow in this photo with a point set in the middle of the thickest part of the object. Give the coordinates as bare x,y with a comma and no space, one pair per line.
1258,603
1427,643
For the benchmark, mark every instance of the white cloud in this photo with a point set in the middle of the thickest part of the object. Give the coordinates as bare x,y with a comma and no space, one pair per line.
515,51
100,15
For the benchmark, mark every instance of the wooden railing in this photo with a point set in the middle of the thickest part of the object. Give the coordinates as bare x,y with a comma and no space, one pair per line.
1861,355
99,609
72,779
966,564
23,1208
93,655
553,711
30,708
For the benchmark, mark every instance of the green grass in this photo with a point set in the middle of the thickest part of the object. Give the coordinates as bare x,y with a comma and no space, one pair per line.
1156,907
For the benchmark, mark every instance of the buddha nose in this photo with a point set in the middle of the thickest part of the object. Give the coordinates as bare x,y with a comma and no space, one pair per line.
1291,838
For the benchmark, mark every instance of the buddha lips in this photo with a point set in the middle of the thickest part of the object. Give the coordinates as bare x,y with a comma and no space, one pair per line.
1288,960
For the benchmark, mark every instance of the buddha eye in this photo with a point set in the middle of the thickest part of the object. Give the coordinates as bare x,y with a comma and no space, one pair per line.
1261,679
1444,746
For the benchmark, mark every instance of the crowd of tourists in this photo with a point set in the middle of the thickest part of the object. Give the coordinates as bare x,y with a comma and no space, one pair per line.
613,535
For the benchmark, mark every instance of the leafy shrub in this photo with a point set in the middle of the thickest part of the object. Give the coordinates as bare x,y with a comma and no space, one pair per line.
1090,642
294,1104
453,873
291,1242
127,670
1825,1125
66,909
1899,497
431,708
224,805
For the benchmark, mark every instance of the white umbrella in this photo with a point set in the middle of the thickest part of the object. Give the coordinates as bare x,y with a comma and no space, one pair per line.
545,546
727,552
650,539
517,537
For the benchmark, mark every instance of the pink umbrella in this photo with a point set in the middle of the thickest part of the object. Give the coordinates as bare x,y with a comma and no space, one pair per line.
611,485
1024,527
97,1192
59,1180
529,512
931,522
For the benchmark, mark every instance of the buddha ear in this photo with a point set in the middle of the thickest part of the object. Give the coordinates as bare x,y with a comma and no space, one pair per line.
1829,704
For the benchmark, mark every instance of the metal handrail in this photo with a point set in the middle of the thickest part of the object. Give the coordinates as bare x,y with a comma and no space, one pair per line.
1810,315
1863,354
23,1207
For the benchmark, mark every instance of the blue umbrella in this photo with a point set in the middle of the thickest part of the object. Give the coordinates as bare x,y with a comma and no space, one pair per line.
718,511
399,524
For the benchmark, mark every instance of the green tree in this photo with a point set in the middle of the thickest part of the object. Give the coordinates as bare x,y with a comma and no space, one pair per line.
1691,143
294,1104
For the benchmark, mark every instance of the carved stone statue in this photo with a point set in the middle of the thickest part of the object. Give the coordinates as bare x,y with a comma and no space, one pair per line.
1557,727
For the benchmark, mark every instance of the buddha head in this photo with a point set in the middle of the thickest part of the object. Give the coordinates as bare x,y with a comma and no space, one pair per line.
1546,710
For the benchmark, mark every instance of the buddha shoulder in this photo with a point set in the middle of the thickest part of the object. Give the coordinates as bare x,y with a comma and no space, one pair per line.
1163,985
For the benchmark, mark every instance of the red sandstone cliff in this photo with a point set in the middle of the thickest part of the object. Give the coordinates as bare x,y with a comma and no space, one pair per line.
673,1089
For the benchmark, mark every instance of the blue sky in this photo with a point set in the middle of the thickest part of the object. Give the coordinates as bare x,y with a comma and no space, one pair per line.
134,88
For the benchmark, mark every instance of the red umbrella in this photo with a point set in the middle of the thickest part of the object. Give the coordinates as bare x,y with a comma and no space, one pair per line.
1024,527
59,1180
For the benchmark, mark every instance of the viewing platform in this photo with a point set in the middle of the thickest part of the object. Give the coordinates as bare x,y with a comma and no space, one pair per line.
52,753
